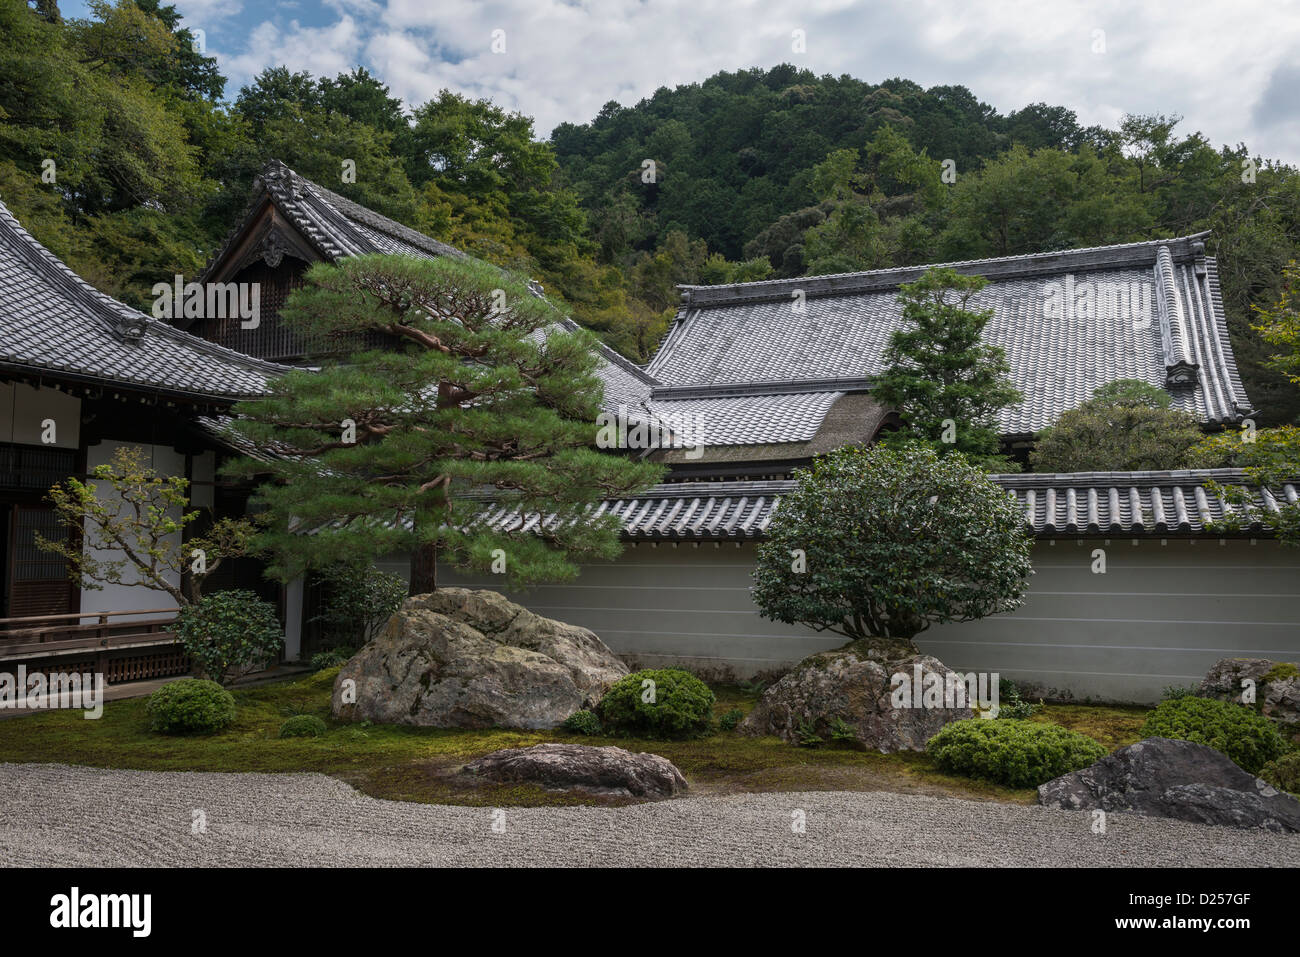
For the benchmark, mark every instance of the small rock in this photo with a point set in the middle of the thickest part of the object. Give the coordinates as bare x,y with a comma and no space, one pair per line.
1166,777
1278,699
607,770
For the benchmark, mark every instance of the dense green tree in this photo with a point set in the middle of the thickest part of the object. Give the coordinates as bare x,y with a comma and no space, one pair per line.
946,383
480,389
882,543
1127,425
1279,324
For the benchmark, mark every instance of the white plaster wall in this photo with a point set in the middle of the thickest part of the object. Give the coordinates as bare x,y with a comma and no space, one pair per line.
166,461
1161,615
23,408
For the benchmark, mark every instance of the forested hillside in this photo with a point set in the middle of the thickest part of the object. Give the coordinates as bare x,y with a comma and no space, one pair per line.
748,174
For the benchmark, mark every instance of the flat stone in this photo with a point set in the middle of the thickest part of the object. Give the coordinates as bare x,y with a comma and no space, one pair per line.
608,770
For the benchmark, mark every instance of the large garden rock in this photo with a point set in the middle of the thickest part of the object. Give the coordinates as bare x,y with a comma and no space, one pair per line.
1164,777
611,771
854,684
1277,686
467,658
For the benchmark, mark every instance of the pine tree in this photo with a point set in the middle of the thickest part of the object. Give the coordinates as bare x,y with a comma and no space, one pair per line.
945,382
473,396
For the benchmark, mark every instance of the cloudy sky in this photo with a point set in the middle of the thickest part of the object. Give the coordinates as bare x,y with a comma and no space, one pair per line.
1233,71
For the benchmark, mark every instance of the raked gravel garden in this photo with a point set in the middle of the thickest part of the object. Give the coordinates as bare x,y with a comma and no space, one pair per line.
391,795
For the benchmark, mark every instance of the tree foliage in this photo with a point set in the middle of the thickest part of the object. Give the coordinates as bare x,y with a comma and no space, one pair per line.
1269,458
946,383
477,387
128,525
758,172
1279,324
1127,425
884,542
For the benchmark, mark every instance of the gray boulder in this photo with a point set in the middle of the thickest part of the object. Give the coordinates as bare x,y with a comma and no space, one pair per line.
609,771
1277,686
1165,777
854,685
468,658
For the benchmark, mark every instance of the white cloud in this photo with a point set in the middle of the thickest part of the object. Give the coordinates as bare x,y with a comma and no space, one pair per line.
321,51
564,60
195,14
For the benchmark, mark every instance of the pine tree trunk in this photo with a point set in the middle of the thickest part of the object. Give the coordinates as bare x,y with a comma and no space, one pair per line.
424,569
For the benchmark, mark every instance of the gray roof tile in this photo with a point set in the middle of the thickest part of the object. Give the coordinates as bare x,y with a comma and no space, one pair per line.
53,320
744,420
1156,313
339,227
1122,504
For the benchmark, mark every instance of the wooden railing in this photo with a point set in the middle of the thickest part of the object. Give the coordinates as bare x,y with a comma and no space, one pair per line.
44,635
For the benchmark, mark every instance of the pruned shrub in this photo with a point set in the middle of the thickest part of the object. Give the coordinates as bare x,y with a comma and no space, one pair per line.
190,706
1011,705
1011,752
730,720
303,726
1249,739
229,633
330,658
357,601
663,703
582,722
1283,773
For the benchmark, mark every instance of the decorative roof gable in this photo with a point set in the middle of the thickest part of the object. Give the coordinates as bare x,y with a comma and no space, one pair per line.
52,322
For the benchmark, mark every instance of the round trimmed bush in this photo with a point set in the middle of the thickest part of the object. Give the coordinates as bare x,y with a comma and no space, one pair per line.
1249,739
229,633
658,703
190,706
1284,773
303,726
1012,752
582,722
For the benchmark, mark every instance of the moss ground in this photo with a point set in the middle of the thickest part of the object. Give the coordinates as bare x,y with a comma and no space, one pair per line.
420,764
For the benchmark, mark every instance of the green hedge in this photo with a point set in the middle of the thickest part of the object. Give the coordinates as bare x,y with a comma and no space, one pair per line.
1284,773
1251,740
664,703
1012,752
190,706
582,722
303,726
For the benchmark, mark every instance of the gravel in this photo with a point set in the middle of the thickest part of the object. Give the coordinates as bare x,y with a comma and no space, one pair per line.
55,815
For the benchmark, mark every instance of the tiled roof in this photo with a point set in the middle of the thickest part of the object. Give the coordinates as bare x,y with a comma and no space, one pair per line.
744,420
334,224
1149,311
52,321
338,227
1086,503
